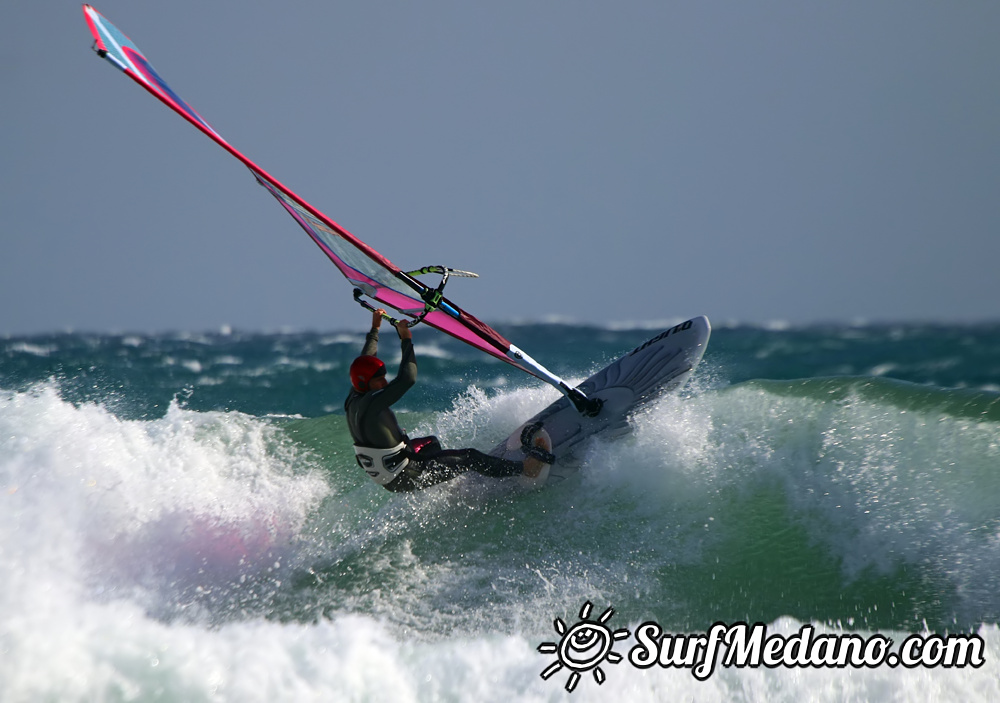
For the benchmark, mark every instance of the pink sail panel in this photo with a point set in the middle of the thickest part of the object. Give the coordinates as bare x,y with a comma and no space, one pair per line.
385,283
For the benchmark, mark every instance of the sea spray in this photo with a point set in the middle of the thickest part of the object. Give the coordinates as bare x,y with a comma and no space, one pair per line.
168,510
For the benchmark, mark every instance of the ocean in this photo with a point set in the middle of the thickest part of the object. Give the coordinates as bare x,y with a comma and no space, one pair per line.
182,519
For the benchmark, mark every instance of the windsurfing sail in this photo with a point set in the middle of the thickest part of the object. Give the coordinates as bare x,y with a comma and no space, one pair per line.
365,268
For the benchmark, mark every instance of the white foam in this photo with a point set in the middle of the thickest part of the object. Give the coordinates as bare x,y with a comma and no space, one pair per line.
431,350
101,519
33,349
228,360
93,506
116,653
878,486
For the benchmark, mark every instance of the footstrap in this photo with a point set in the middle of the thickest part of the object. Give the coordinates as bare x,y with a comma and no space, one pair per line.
527,444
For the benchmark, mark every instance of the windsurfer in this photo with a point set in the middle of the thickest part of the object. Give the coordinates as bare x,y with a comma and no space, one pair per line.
387,454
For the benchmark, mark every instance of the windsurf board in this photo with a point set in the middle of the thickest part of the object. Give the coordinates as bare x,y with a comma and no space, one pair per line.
661,365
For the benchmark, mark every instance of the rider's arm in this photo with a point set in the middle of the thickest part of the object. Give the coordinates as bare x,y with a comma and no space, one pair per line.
405,377
408,363
371,339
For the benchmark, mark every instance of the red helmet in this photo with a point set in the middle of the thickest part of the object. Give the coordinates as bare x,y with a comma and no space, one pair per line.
363,370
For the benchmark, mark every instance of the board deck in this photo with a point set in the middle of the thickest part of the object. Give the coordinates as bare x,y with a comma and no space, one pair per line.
661,365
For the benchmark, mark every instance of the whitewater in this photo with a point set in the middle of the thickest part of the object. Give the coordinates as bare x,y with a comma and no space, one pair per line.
181,518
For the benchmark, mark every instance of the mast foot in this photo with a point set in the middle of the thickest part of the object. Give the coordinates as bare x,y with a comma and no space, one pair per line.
588,407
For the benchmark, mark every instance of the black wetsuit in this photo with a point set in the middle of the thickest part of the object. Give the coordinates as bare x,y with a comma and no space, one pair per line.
373,424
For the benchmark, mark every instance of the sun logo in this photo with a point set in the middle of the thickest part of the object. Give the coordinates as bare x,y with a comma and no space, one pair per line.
583,647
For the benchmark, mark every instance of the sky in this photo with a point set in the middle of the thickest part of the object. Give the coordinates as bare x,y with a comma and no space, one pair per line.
593,161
